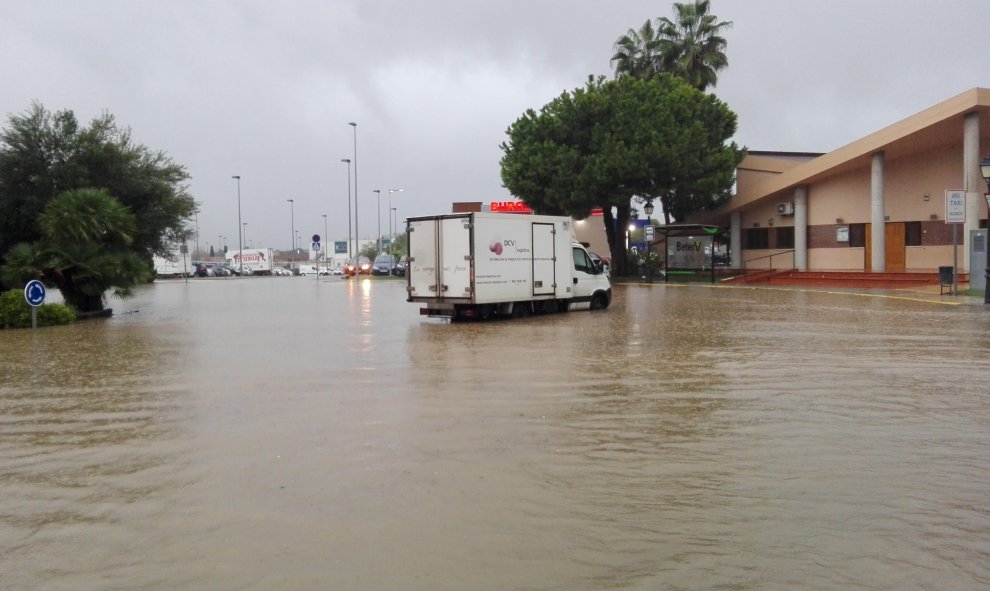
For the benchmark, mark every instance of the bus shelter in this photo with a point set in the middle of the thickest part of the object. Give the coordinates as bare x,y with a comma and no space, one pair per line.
688,249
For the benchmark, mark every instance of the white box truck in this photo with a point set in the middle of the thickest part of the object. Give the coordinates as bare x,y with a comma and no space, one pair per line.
257,261
483,265
177,264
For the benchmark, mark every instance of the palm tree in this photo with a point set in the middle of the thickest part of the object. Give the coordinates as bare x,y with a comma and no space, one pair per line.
637,53
85,250
693,48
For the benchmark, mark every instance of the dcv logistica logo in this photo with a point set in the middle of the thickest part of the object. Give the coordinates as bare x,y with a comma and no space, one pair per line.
497,246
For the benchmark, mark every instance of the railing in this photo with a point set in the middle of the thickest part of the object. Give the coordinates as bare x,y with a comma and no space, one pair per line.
770,256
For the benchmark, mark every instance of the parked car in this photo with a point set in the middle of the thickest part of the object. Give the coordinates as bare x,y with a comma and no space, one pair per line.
358,266
400,267
281,272
383,265
307,270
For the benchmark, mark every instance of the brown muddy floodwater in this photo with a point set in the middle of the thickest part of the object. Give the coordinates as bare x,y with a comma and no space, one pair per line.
288,433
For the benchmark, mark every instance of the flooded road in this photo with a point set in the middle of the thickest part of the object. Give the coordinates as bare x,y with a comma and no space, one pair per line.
288,433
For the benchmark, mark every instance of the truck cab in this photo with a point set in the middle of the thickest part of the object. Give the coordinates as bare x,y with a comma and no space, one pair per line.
592,288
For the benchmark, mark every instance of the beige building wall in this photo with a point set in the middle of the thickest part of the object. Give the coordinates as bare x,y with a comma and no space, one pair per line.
923,157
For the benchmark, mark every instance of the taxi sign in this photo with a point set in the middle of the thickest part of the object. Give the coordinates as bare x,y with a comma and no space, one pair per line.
955,207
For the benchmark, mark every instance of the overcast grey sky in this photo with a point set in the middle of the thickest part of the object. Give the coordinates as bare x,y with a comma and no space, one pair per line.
265,90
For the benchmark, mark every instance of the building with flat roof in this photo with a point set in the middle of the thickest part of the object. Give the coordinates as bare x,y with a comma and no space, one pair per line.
876,204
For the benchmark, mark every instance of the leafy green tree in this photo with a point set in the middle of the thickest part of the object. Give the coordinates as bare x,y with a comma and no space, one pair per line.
691,47
602,145
43,154
370,251
400,246
84,250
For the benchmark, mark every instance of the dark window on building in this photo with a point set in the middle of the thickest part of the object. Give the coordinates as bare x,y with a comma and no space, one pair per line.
757,238
912,233
857,235
785,237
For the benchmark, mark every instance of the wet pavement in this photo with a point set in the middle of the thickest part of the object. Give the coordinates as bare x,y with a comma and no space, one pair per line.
287,433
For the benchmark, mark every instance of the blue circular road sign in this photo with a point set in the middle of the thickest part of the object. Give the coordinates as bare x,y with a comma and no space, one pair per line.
34,292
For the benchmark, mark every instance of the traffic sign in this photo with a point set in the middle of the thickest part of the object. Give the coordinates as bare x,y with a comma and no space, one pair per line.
316,237
955,207
649,233
316,246
34,292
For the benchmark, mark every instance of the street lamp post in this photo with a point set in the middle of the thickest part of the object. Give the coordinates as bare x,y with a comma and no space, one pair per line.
292,221
985,171
648,210
326,242
391,234
379,191
391,244
357,232
349,236
240,234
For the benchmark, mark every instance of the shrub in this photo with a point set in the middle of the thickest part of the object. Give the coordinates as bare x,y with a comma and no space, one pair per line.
15,312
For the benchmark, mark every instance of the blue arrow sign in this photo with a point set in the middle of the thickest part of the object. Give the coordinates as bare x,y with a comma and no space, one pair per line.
34,292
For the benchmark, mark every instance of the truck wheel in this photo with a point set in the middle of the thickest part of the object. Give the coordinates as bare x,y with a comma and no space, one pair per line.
599,301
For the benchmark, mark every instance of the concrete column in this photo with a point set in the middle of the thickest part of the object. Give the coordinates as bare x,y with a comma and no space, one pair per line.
801,228
973,183
735,239
877,222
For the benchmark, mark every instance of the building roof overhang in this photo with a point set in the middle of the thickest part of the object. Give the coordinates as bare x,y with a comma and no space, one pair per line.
939,125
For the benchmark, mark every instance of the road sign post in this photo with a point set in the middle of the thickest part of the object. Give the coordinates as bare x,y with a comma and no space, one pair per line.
649,235
955,214
34,293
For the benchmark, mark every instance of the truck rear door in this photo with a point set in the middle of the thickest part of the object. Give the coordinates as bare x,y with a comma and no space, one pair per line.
455,258
421,272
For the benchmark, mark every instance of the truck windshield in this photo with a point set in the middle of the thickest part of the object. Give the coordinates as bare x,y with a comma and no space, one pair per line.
582,262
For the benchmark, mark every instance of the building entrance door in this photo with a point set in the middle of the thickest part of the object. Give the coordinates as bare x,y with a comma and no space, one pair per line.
895,253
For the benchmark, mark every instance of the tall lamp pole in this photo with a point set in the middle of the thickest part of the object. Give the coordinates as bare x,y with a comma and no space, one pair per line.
391,234
391,244
326,242
379,191
240,234
292,221
350,238
357,232
985,171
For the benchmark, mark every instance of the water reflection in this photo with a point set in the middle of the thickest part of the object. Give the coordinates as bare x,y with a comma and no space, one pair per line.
295,433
